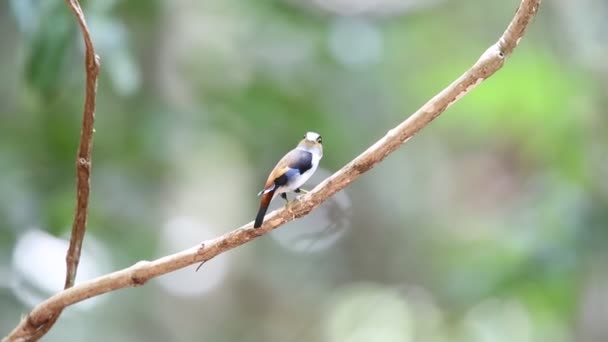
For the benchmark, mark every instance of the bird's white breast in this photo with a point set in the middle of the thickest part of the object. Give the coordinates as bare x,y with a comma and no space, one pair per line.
301,179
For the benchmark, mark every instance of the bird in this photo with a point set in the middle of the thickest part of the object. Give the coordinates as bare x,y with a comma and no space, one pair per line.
291,172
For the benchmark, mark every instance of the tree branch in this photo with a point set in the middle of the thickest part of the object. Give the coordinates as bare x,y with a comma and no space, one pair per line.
83,159
83,173
489,62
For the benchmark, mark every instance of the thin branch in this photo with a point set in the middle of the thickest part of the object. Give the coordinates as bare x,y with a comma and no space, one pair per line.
83,172
83,160
138,274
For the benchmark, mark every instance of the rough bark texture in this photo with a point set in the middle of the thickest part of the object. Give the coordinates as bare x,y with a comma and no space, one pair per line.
83,159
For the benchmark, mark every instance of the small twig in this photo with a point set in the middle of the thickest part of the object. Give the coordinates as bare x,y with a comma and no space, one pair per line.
491,61
83,172
83,160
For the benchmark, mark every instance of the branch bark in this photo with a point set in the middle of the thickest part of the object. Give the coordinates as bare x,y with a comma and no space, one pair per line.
83,159
489,62
83,186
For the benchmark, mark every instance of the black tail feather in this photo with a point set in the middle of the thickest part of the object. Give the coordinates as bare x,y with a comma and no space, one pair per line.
259,219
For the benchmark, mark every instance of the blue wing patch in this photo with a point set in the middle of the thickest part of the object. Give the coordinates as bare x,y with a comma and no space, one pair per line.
286,177
302,161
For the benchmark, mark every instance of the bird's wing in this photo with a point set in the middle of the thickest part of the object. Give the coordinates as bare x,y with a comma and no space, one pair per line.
296,162
299,160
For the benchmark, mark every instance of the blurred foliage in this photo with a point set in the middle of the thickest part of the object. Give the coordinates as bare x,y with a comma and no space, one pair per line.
490,225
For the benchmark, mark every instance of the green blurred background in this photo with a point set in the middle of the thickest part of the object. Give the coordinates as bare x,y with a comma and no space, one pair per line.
490,225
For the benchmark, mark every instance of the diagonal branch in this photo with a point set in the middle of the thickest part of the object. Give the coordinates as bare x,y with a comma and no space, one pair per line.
83,173
489,62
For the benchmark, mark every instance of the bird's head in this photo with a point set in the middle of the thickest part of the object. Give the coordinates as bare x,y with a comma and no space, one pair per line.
311,141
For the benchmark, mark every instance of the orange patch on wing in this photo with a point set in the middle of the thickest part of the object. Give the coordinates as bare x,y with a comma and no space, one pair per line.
276,173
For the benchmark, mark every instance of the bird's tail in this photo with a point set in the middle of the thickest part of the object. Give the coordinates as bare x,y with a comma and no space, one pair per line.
264,203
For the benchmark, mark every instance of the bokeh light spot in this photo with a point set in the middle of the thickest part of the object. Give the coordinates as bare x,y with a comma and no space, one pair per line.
320,229
39,266
182,232
368,312
355,42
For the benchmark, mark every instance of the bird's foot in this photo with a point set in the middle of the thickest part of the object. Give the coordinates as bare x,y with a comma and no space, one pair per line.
284,196
301,192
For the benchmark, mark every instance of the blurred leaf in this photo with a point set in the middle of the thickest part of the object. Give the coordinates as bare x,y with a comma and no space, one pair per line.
47,48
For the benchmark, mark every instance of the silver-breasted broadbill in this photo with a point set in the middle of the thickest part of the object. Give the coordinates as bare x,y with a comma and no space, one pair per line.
291,172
